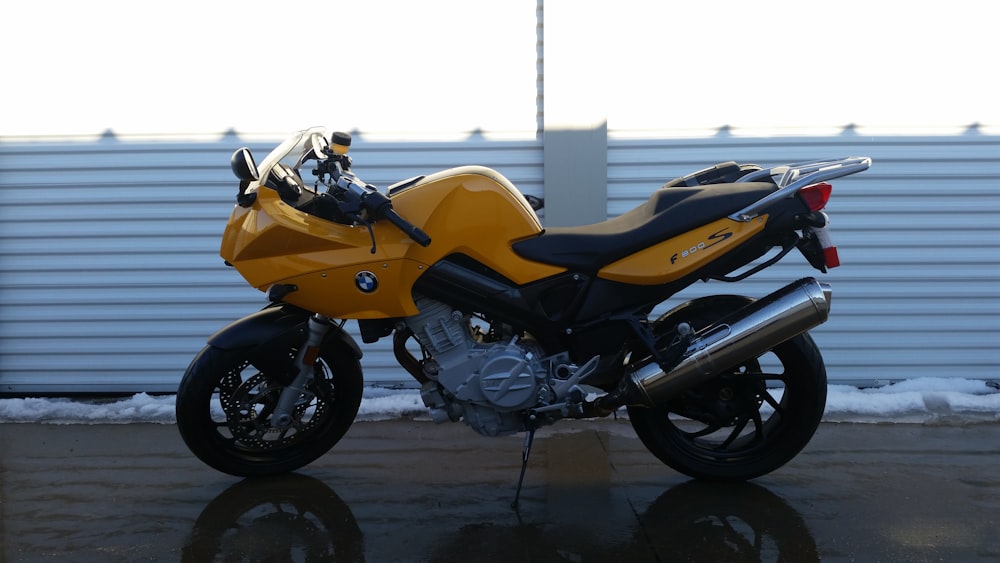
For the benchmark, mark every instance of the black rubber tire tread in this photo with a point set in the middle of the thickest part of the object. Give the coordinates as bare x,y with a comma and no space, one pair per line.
804,402
199,431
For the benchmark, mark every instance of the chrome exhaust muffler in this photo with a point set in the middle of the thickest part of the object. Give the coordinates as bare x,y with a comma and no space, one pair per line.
747,333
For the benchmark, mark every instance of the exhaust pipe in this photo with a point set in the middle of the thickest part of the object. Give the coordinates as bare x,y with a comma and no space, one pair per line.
749,332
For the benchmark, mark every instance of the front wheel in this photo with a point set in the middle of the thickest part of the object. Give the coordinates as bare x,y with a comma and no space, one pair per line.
745,422
224,405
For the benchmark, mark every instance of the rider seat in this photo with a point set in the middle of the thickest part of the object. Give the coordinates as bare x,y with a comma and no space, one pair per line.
667,213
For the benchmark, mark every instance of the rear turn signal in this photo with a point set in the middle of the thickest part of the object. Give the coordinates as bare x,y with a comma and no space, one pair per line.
816,196
831,257
826,243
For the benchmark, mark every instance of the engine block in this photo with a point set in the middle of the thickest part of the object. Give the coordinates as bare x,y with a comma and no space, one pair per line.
486,383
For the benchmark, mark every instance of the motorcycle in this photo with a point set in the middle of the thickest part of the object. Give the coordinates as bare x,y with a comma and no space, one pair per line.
510,326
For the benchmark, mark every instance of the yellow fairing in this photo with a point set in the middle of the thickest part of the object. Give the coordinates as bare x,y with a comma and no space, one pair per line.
677,257
470,210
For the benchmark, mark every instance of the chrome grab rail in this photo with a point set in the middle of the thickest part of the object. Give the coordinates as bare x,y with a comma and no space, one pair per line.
794,177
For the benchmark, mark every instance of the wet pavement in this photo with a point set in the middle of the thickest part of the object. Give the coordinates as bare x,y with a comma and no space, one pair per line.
415,491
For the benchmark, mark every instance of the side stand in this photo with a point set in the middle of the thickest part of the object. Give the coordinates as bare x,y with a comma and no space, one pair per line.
529,438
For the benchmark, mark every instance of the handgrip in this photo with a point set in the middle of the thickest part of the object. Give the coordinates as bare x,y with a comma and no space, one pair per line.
408,228
380,207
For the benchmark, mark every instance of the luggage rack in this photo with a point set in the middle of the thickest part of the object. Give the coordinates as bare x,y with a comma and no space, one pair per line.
790,178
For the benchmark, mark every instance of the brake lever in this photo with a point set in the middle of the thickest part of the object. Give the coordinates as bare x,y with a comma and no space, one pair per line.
371,233
368,224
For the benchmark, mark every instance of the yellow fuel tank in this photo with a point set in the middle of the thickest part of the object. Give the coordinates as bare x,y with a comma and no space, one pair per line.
470,210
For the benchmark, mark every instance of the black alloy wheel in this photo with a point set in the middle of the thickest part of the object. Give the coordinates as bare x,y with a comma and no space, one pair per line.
224,407
745,422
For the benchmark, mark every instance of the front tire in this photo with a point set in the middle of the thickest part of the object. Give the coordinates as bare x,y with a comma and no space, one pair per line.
745,422
224,402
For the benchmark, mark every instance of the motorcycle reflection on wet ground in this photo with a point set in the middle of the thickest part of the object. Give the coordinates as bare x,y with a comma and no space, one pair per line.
415,491
300,518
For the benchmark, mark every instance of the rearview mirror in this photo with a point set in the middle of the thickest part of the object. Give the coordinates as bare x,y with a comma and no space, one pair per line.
244,166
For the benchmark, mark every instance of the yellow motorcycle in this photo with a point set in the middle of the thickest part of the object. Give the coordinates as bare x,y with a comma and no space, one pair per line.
508,325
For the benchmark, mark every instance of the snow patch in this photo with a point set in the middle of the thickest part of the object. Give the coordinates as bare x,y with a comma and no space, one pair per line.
923,400
138,408
928,399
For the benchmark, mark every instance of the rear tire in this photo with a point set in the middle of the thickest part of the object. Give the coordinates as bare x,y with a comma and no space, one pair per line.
224,403
745,422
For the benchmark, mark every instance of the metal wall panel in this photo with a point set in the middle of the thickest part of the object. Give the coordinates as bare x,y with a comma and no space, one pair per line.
110,278
918,294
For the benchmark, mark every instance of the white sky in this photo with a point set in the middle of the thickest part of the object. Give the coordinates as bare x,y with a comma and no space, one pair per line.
404,67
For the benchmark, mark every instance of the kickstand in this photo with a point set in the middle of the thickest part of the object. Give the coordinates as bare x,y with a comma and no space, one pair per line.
529,437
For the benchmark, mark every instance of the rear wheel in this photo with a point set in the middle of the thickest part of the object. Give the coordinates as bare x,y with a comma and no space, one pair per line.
224,405
745,422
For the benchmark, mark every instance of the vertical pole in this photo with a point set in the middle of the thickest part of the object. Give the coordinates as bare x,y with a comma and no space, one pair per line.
573,113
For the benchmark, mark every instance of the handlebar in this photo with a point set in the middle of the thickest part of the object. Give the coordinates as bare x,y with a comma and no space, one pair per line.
378,205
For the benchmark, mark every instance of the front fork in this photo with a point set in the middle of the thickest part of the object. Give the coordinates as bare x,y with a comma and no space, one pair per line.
305,361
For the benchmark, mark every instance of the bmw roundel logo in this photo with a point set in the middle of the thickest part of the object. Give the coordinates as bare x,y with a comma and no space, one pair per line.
366,281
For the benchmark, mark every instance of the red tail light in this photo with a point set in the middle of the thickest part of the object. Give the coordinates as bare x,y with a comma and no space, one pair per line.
816,196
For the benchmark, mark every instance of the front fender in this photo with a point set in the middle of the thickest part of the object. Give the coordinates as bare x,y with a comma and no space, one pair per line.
273,323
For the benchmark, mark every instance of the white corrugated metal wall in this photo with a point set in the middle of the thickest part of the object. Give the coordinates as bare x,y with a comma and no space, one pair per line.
918,294
110,278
